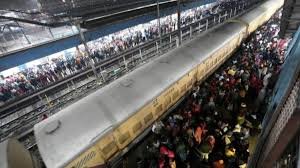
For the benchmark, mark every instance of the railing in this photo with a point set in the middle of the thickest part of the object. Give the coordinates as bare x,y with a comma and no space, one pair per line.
21,123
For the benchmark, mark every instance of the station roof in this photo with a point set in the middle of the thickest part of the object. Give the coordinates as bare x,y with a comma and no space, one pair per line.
290,20
14,155
55,13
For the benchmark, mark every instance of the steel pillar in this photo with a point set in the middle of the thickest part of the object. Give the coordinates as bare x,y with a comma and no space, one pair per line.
158,22
179,21
82,38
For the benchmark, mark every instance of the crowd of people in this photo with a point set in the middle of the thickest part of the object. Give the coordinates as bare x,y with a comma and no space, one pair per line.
213,127
111,45
34,78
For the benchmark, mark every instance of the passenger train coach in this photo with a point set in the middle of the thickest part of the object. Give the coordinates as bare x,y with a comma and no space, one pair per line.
99,127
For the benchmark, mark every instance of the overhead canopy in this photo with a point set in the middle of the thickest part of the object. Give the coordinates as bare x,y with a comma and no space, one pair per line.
85,7
14,155
19,5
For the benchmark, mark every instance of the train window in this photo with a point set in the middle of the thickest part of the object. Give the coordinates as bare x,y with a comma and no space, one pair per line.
108,148
148,118
217,58
167,101
189,83
182,89
175,95
124,137
207,67
195,75
200,76
155,102
227,49
137,127
231,46
223,51
158,109
203,67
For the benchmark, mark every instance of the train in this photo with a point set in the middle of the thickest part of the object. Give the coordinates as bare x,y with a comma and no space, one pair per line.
97,129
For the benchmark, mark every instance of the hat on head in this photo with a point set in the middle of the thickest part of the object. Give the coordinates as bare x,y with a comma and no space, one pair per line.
171,154
164,150
237,128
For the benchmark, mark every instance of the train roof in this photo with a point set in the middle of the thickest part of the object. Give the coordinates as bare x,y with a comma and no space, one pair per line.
67,133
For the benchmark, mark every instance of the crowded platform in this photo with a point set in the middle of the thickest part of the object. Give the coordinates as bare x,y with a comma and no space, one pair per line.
217,124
